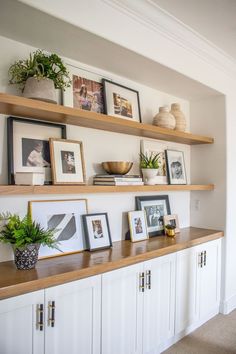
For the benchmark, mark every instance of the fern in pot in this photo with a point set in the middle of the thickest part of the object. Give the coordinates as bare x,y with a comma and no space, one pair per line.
25,236
149,165
39,76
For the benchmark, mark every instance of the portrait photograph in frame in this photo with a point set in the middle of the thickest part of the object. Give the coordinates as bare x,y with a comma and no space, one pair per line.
176,167
67,159
172,220
28,146
149,147
121,101
97,231
155,208
65,216
86,91
137,225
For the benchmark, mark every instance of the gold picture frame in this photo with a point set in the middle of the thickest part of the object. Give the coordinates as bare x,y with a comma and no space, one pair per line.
138,225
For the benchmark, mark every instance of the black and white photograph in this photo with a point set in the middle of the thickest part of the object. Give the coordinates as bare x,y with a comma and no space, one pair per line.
28,146
155,207
65,216
97,231
172,220
176,167
68,161
137,225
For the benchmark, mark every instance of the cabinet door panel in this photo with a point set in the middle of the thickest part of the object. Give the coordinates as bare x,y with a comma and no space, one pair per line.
18,325
122,311
77,317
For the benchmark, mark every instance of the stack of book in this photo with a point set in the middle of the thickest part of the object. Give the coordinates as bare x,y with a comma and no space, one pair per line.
117,180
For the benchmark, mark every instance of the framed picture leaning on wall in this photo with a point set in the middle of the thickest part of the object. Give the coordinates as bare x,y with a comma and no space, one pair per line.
97,231
176,167
137,225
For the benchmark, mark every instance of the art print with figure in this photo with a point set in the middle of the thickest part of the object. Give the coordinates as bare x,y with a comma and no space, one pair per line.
137,225
176,167
97,231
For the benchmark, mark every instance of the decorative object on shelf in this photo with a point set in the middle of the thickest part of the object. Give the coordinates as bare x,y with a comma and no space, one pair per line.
170,230
40,75
25,236
149,147
179,117
164,118
176,167
117,180
121,101
28,146
172,220
86,91
65,217
155,207
149,166
97,231
137,225
30,178
67,160
117,167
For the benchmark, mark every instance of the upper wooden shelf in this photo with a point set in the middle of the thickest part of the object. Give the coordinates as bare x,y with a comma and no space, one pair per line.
24,107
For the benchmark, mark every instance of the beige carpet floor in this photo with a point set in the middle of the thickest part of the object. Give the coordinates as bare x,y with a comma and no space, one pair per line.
217,336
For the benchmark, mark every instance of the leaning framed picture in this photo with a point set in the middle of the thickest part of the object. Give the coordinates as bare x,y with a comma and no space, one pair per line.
97,231
121,101
85,92
66,217
172,220
28,146
137,225
176,167
155,208
67,160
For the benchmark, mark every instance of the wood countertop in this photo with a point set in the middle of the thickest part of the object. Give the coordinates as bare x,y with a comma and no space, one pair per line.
58,270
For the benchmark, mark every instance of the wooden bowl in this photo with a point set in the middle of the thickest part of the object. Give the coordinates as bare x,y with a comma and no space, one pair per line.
117,167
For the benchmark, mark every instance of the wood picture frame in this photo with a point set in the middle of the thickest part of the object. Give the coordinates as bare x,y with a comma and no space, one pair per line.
97,231
176,171
172,220
138,225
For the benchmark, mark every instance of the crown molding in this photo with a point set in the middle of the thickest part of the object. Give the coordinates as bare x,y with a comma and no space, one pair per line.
152,16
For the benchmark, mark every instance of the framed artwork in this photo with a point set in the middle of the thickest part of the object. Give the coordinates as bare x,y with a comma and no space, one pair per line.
149,147
67,160
137,225
155,208
176,167
121,101
97,231
85,92
172,220
28,146
65,217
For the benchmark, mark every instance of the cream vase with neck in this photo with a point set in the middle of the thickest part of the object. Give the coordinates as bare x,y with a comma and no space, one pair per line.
164,118
179,117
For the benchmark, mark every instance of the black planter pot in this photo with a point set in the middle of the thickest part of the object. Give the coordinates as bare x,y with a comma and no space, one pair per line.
26,257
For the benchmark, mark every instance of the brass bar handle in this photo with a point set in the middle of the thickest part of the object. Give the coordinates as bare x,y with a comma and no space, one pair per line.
40,317
51,313
141,282
200,260
205,258
148,279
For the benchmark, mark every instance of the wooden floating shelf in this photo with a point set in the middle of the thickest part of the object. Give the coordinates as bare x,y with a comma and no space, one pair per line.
66,189
28,108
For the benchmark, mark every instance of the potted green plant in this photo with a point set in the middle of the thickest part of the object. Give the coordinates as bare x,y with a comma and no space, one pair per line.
149,165
25,236
39,75
170,230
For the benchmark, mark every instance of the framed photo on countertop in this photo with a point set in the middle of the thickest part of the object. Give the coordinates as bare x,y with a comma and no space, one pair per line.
97,231
172,220
137,225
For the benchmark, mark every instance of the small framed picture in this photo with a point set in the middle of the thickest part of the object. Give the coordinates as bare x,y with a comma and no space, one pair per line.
176,167
28,146
172,220
97,231
66,217
86,91
121,101
137,225
67,161
155,208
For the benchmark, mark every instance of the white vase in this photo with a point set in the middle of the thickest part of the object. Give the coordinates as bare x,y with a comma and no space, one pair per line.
40,89
149,175
179,117
164,118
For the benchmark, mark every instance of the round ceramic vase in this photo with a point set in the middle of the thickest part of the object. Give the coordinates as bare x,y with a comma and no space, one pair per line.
164,118
26,257
179,117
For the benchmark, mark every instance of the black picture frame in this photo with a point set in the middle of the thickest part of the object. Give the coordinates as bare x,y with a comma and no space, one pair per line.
93,240
124,112
155,211
175,166
10,140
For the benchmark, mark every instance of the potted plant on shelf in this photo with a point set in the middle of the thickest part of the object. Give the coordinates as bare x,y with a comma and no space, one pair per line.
40,75
149,166
170,230
25,236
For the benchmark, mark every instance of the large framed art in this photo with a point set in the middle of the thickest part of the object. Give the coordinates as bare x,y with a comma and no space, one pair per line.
28,146
155,207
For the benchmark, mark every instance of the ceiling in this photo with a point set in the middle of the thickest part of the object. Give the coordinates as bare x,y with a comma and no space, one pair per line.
213,19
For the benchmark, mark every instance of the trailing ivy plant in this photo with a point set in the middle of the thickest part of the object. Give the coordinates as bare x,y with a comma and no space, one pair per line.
151,161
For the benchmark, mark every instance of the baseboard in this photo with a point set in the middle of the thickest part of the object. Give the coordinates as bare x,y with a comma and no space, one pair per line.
228,305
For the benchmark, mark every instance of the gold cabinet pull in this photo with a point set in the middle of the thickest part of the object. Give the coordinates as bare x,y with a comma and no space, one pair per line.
200,259
148,279
205,258
51,313
40,312
141,282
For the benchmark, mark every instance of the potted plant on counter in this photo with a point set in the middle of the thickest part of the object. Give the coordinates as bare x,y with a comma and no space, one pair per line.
170,230
39,76
149,166
25,236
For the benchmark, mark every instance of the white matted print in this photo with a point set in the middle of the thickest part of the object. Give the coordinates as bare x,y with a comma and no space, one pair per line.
67,161
137,225
97,231
65,217
149,147
176,167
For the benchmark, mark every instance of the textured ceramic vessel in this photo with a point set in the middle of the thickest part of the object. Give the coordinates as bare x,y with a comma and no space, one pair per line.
40,89
149,175
179,117
164,118
26,257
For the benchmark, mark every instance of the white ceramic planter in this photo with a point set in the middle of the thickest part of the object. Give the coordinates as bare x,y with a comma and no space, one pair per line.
149,175
40,89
